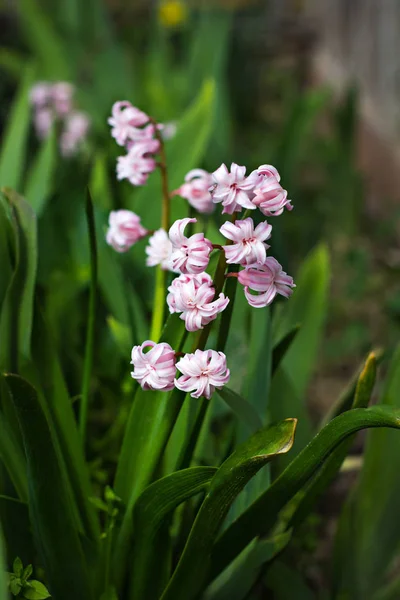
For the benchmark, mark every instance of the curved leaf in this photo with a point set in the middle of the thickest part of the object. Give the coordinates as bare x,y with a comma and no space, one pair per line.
55,534
262,514
331,467
151,510
13,459
17,309
192,570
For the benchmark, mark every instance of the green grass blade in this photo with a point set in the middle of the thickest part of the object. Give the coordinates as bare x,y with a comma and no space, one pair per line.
13,459
55,534
17,310
372,534
14,517
332,465
246,568
89,348
263,513
151,511
191,573
48,377
45,43
308,307
243,409
3,578
15,137
40,177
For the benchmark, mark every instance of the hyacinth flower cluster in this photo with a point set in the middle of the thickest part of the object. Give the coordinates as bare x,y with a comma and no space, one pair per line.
193,294
53,103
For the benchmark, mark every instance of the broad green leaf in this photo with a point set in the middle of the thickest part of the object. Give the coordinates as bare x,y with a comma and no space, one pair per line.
151,511
242,409
12,155
35,590
236,582
191,573
332,465
308,307
373,537
5,257
17,309
3,577
184,152
47,46
260,517
40,177
49,507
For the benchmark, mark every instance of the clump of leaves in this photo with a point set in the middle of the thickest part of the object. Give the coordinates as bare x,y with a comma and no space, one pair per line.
21,586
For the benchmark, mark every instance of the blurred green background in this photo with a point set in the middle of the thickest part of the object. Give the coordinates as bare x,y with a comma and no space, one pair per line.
241,82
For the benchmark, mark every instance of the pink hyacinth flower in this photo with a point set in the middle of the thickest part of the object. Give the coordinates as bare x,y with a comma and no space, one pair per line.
76,128
196,190
154,369
192,296
233,188
124,230
268,171
268,279
202,372
138,163
271,198
40,94
43,121
61,95
125,120
159,250
189,255
248,242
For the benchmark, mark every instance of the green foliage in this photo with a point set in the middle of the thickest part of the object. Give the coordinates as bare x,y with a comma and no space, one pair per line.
21,586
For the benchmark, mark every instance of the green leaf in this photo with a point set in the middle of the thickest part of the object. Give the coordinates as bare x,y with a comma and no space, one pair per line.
184,152
151,510
308,307
236,582
13,458
243,409
17,311
18,567
40,177
27,572
91,318
260,517
49,505
14,517
191,573
15,586
48,377
15,137
285,583
332,465
35,591
372,540
283,346
47,46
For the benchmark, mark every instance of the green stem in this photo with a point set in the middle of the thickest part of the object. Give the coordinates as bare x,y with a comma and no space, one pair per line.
161,275
88,362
